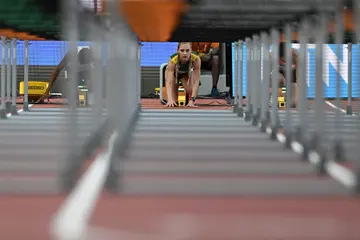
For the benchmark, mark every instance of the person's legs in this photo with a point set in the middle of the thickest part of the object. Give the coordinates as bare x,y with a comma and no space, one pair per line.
213,65
215,72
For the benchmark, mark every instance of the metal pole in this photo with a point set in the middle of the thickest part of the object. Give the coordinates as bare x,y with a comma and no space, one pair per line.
70,23
256,73
240,58
275,37
26,76
248,113
14,80
357,28
289,81
3,78
349,100
252,80
8,78
316,142
97,80
338,123
138,79
302,104
265,114
236,80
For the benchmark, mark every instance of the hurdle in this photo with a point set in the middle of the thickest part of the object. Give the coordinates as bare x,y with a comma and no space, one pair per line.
3,83
9,77
319,135
114,115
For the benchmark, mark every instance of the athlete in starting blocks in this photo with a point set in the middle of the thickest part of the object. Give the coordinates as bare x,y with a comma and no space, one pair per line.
183,66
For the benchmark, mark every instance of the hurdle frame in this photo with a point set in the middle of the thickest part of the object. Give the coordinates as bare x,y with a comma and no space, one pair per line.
295,139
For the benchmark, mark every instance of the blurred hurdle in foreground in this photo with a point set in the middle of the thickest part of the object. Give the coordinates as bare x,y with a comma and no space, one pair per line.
117,57
167,142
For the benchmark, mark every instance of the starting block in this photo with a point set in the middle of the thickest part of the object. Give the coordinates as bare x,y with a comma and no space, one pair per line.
281,102
157,91
181,97
82,96
35,90
281,99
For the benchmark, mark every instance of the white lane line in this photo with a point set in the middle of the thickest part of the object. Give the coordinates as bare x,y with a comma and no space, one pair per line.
19,111
336,107
72,219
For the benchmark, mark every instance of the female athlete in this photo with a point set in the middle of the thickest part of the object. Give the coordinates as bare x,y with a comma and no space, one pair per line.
184,65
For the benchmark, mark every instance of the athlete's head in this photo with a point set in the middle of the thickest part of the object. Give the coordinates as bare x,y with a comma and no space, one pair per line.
184,51
85,55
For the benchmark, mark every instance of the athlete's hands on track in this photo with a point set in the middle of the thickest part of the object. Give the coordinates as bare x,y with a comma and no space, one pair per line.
171,103
191,104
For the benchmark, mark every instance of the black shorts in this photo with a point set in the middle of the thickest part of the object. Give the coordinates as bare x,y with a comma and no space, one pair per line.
182,76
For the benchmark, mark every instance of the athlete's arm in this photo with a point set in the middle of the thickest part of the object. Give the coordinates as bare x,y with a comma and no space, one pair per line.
170,80
196,77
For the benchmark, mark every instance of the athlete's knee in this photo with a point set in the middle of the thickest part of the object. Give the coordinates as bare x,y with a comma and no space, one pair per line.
215,60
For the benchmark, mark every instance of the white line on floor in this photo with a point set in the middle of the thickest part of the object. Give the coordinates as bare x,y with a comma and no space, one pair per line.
336,107
19,111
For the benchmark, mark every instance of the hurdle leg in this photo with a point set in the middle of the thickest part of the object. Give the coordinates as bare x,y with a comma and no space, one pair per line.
236,80
26,77
8,77
265,86
240,65
349,109
338,148
3,79
302,127
256,80
14,81
317,152
275,123
357,161
248,113
289,80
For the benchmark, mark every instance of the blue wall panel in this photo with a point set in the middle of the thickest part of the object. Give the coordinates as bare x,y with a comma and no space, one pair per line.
50,53
330,70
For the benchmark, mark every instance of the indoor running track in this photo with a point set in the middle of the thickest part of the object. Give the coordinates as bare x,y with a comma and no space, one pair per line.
150,217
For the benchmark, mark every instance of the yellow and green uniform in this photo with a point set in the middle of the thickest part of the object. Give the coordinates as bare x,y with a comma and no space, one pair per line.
184,68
